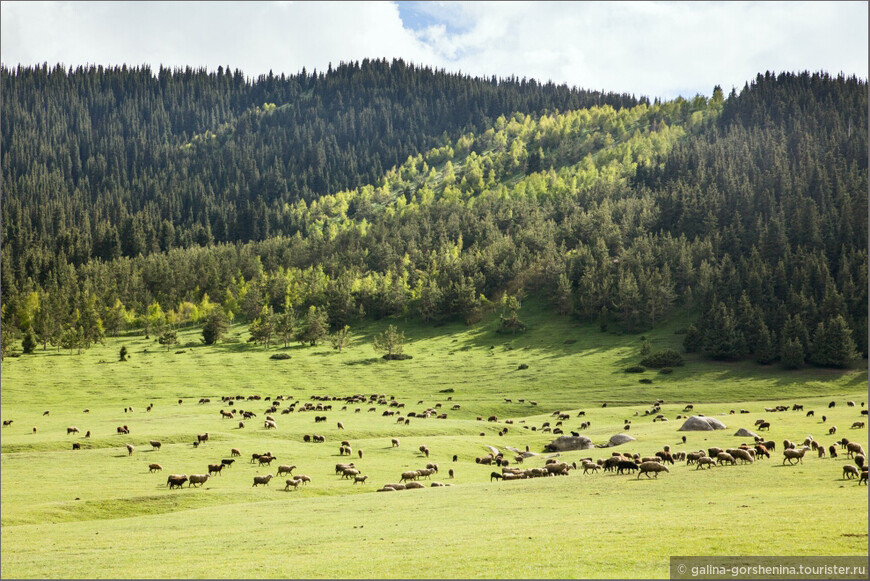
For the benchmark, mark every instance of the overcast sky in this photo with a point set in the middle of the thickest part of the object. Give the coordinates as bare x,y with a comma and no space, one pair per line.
657,49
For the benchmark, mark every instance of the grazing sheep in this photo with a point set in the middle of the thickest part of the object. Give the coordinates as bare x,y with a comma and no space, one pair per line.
832,451
264,459
857,425
176,480
495,476
340,426
72,430
197,479
45,413
349,472
409,475
360,478
851,404
360,453
743,455
154,468
227,462
412,485
395,442
854,448
863,478
794,454
264,480
622,465
705,461
821,451
764,426
849,472
155,445
7,423
450,473
202,437
235,452
76,446
651,467
130,449
713,452
303,478
832,404
216,468
270,425
723,457
811,413
292,482
34,429
241,425
832,431
285,469
859,461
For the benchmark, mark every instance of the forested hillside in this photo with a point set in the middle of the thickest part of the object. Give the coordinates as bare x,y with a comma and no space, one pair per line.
133,200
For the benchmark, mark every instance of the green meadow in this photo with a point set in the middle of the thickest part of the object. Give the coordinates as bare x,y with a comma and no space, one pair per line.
98,512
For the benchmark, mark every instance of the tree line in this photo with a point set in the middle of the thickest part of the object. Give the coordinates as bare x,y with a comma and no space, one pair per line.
748,210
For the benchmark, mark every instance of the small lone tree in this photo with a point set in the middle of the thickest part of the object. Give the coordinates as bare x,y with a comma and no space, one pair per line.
510,321
391,341
214,327
168,338
340,338
28,344
123,354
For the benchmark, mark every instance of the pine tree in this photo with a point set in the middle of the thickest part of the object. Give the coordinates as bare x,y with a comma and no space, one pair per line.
722,340
765,352
315,326
391,342
694,340
792,354
214,327
341,338
263,327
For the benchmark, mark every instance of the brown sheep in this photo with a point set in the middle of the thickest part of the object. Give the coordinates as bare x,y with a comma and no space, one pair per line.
854,448
303,478
450,473
705,461
359,478
863,478
654,467
395,442
176,480
857,425
235,452
285,469
215,468
154,468
130,449
72,430
292,482
155,445
832,430
849,472
264,480
76,446
409,475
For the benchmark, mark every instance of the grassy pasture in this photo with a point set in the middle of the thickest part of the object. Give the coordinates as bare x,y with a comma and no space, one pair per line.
98,512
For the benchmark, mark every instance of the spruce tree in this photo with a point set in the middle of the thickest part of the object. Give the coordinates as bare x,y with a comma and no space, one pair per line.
792,354
765,352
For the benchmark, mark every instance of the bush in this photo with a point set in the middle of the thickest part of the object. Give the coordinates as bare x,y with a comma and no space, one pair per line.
666,370
280,356
665,358
523,366
397,356
635,369
448,390
645,380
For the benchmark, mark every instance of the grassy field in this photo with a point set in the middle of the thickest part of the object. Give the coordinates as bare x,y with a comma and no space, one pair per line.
98,512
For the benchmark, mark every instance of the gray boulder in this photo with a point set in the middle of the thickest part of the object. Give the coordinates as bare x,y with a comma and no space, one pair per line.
566,443
619,439
743,432
701,424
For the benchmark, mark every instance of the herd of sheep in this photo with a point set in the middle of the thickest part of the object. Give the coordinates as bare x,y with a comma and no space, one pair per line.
555,465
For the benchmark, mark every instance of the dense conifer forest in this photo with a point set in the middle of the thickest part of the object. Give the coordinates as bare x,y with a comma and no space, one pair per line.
135,199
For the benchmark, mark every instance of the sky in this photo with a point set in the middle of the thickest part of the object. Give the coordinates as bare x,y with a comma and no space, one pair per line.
653,49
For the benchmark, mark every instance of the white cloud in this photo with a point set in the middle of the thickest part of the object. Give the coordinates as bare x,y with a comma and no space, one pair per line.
647,48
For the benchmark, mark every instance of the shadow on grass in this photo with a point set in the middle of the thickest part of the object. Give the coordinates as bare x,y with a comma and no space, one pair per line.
369,361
